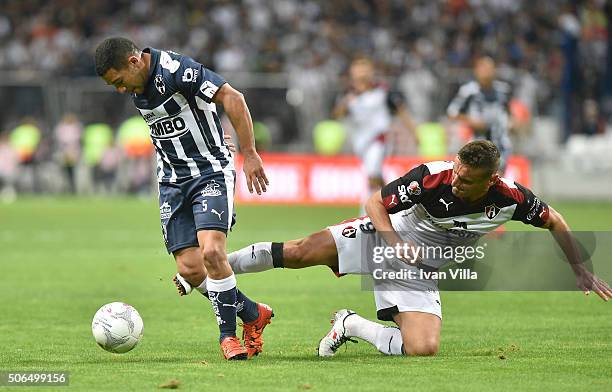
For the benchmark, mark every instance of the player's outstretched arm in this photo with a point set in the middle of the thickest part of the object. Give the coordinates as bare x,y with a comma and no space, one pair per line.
238,113
585,280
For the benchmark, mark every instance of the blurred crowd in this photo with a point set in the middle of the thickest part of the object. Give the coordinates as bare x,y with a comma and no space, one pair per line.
555,53
76,158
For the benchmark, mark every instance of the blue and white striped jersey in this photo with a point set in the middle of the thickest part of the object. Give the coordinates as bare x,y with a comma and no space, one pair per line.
488,106
184,127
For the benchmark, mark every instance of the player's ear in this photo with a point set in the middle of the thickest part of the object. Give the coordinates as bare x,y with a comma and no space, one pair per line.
134,60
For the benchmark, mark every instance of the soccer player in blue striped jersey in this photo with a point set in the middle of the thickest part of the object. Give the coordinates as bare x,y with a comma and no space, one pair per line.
177,98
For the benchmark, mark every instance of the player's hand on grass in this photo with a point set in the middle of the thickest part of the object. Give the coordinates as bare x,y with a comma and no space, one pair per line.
254,172
587,282
229,142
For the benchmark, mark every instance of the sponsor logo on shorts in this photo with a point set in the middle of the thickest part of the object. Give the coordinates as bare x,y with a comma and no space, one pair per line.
492,211
219,214
349,232
211,189
165,211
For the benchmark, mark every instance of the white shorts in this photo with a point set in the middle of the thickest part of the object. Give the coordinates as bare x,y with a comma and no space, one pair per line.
354,239
372,156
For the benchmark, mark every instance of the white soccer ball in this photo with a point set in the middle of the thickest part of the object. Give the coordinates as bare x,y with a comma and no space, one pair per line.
117,327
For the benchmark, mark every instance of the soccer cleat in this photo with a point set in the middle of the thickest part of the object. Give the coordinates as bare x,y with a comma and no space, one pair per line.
337,336
251,332
233,350
182,285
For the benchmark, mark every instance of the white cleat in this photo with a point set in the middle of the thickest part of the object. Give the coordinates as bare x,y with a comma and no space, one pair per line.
336,336
183,287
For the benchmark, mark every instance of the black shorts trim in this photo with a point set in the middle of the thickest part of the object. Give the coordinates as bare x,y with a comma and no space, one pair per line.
387,313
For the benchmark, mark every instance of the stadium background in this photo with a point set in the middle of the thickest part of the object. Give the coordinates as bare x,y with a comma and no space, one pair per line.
63,255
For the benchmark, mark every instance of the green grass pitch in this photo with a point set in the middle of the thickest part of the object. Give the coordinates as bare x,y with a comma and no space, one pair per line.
61,259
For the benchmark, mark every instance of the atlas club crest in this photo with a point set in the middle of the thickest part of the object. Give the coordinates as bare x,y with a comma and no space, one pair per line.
492,211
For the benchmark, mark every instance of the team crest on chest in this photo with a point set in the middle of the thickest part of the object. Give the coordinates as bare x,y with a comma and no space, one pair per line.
492,211
159,84
414,188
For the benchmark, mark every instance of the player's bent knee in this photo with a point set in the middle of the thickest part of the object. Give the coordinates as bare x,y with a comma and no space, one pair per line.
423,347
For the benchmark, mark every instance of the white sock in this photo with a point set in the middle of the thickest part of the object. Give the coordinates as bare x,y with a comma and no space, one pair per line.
388,340
220,285
254,258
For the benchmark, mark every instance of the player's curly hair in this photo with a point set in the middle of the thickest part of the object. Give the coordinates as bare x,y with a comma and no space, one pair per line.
113,53
480,154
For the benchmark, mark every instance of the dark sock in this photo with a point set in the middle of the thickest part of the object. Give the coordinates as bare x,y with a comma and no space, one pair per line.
246,308
277,254
224,306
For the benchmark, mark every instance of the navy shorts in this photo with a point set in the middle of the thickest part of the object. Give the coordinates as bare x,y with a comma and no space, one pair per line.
202,203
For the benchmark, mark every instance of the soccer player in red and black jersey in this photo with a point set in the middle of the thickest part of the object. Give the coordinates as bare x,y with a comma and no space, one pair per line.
444,203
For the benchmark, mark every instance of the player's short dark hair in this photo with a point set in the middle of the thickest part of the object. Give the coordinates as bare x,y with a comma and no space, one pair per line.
113,53
481,154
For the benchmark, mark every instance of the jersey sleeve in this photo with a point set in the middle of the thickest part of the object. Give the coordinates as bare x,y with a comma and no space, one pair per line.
406,191
194,80
530,209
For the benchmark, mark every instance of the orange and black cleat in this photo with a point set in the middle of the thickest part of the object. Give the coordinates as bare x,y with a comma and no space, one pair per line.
233,350
251,332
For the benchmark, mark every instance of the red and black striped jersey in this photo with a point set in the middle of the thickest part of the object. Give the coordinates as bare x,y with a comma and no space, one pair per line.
427,192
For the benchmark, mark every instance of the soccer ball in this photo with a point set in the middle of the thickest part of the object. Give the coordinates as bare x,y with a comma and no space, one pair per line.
117,327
